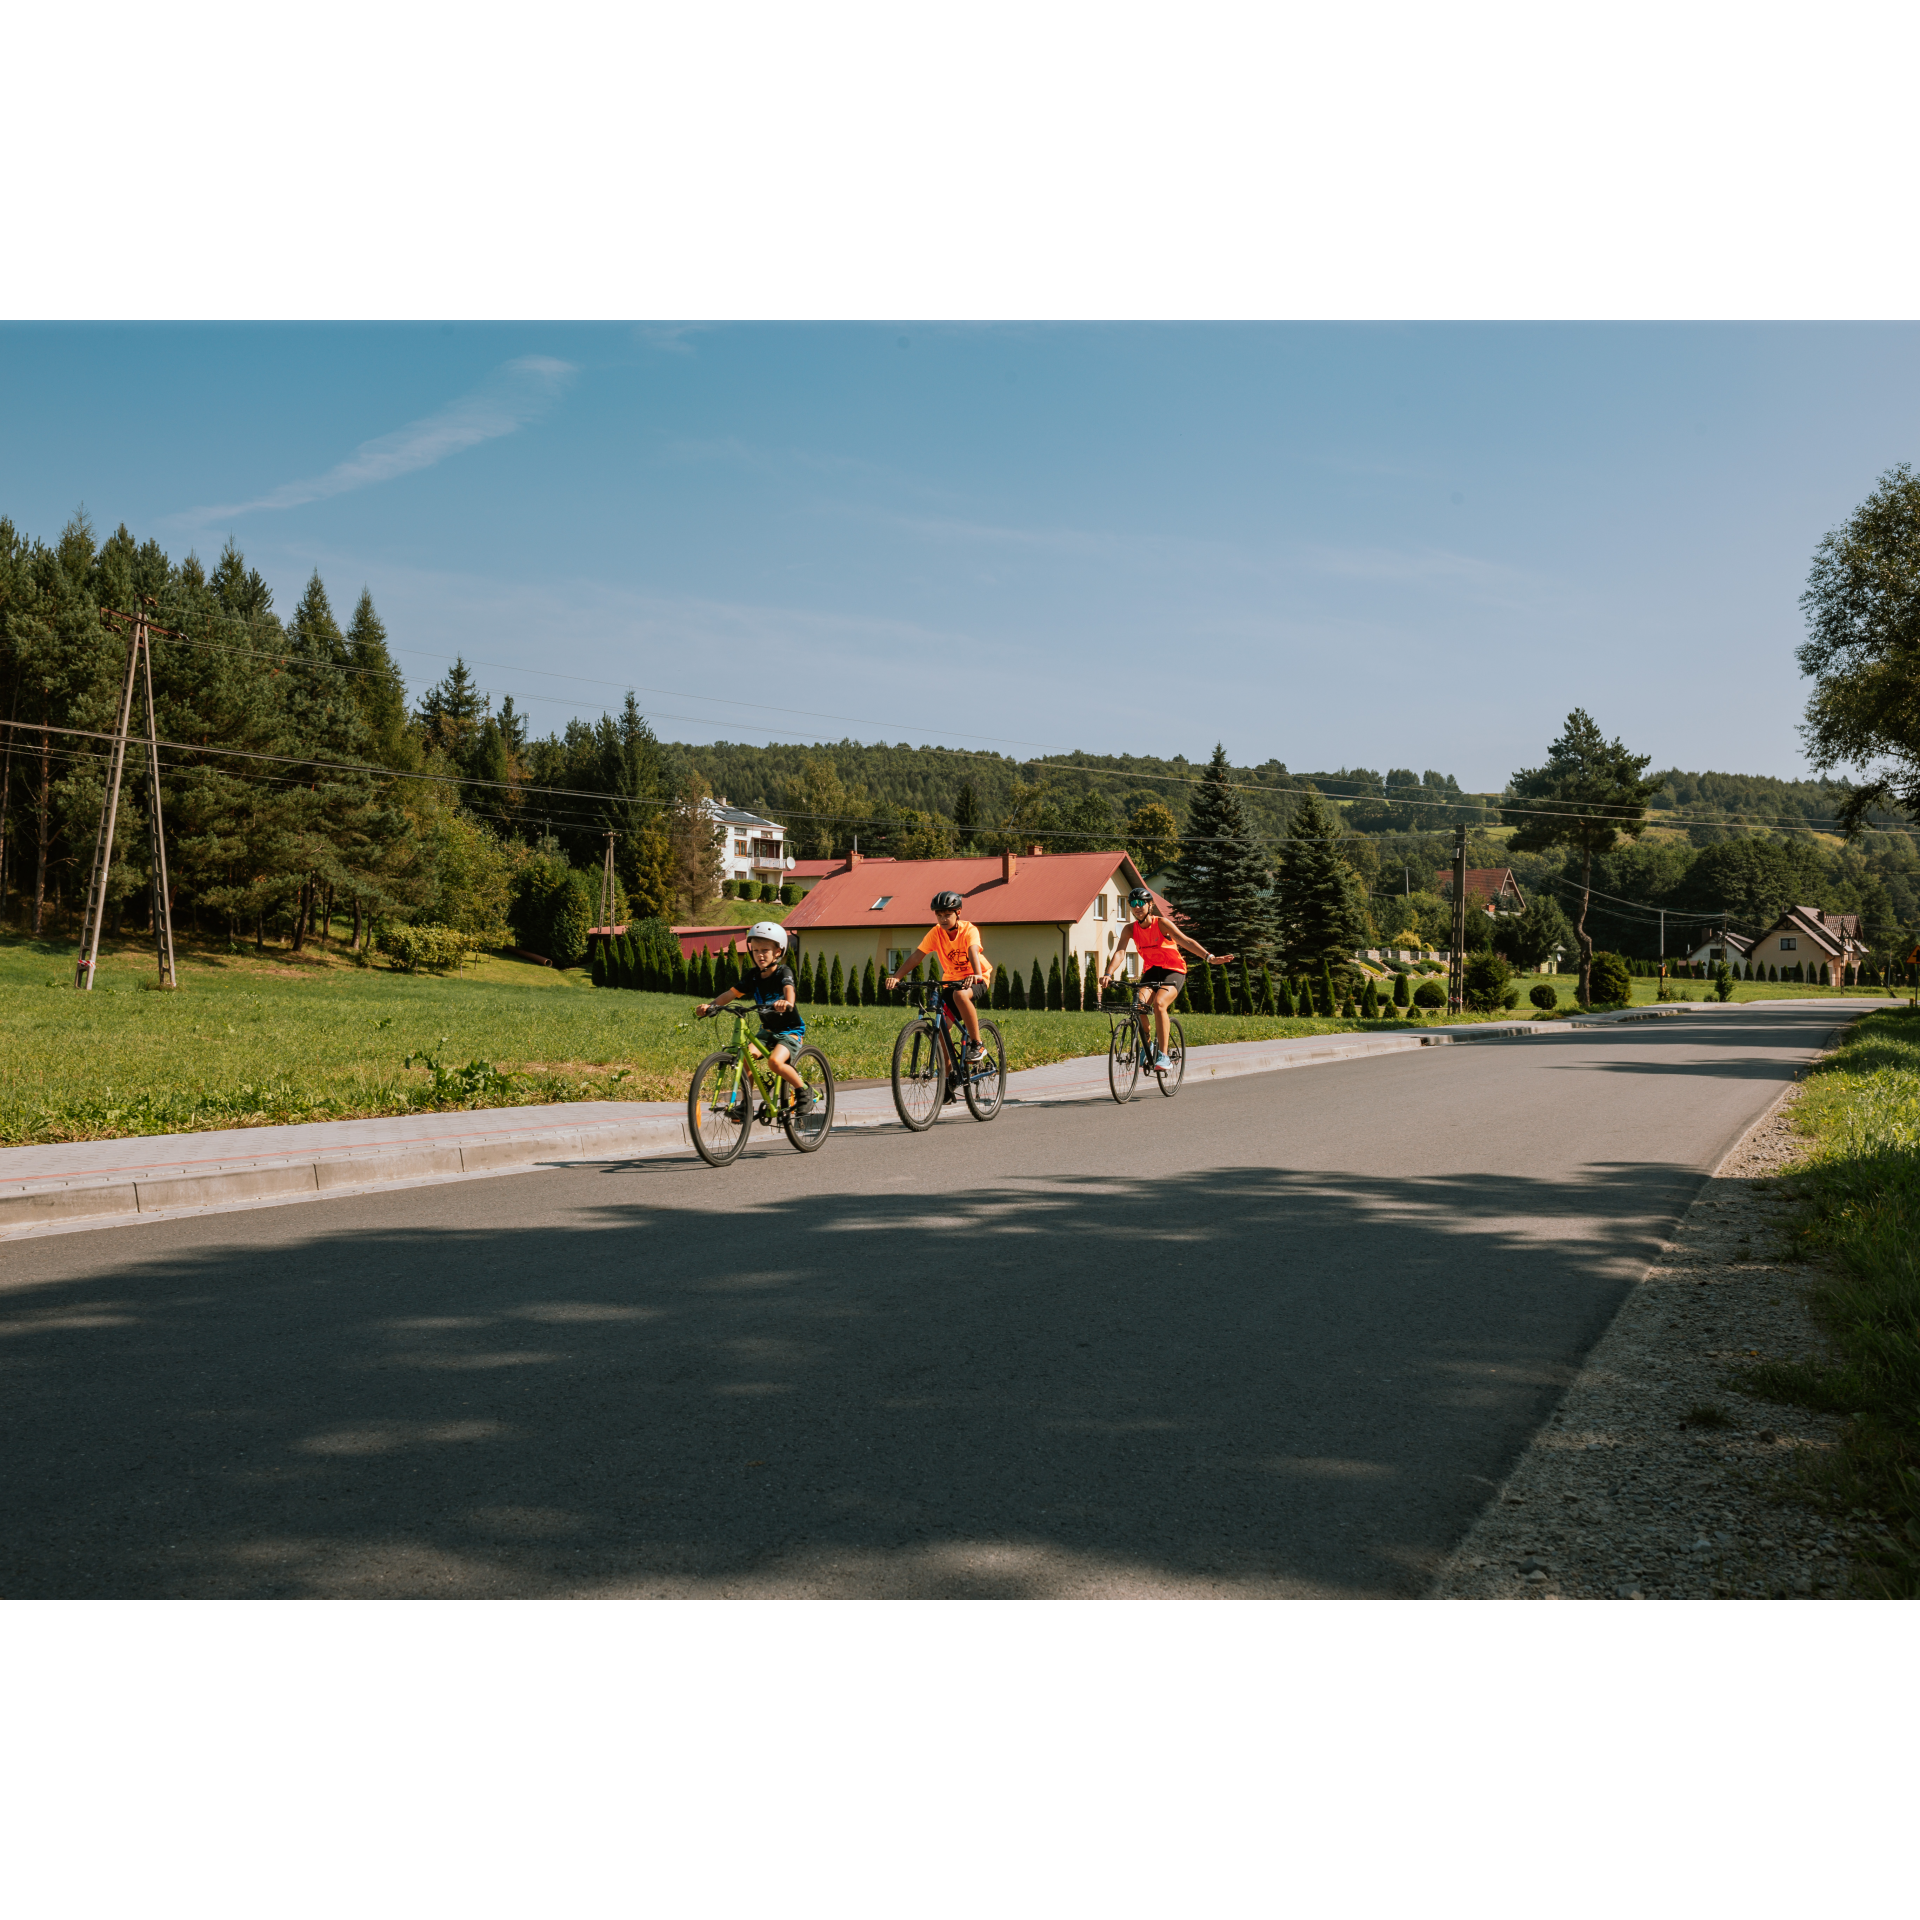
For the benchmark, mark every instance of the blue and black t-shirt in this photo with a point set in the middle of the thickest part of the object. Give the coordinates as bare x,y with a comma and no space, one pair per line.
763,989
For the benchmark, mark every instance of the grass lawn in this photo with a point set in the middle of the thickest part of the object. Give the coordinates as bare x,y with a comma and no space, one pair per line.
1861,1190
264,1039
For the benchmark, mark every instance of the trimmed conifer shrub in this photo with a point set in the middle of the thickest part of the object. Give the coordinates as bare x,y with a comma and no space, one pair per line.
836,985
789,896
1244,1001
1327,998
1018,991
1268,1005
598,967
1037,989
1070,989
869,986
1000,993
1400,995
1056,988
1200,985
1370,1001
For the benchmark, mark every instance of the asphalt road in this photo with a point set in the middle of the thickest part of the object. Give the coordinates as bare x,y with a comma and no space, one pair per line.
1280,1336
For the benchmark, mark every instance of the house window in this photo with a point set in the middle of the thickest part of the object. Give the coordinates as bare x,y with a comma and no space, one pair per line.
1786,946
740,846
1100,905
875,908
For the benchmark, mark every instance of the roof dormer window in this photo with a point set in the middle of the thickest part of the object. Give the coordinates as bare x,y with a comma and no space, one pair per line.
884,899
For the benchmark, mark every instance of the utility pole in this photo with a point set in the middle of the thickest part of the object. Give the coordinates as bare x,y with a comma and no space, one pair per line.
1663,933
1457,959
606,887
139,667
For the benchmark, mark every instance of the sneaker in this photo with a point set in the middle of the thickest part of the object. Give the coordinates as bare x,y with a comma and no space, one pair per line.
974,1055
802,1104
1161,1064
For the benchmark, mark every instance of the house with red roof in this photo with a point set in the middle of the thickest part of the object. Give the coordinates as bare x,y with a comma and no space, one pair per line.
1029,907
1492,889
1810,937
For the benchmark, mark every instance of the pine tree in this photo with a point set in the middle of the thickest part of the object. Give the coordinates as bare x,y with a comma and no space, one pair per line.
1219,881
1018,991
869,995
1056,987
836,985
1037,989
1321,913
377,686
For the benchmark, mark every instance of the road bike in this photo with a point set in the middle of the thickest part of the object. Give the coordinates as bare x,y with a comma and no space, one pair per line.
1130,1047
930,1066
728,1094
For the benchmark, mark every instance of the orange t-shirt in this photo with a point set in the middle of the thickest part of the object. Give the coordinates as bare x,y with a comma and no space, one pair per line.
952,949
1155,946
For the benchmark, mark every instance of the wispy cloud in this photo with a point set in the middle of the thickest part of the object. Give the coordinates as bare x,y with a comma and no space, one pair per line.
509,398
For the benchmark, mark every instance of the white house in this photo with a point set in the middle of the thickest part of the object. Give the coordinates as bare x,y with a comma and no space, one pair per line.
750,848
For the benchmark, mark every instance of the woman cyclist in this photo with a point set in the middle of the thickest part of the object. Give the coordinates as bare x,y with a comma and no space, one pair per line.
1158,942
956,944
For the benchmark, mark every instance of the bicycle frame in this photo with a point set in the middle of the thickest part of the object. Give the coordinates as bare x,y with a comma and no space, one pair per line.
947,1025
747,1051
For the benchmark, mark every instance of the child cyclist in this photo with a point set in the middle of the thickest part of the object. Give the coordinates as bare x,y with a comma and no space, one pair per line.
1158,942
770,987
956,944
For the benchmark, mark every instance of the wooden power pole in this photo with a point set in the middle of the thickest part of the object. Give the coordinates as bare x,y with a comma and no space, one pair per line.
606,887
139,669
1457,959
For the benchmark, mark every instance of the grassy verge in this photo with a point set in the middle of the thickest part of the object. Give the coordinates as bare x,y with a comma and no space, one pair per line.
1861,1194
270,1039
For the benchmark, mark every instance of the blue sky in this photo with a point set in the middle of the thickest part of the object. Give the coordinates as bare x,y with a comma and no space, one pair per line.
1385,545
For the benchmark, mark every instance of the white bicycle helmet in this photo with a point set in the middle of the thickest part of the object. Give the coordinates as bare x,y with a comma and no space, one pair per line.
769,930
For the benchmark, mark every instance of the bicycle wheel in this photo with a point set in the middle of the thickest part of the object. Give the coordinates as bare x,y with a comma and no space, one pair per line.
1123,1061
817,1077
919,1075
1177,1053
986,1085
719,1109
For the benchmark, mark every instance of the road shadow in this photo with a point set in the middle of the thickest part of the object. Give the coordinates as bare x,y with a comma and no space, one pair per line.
1244,1380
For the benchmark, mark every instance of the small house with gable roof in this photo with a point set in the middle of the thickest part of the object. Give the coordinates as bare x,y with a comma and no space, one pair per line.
1810,937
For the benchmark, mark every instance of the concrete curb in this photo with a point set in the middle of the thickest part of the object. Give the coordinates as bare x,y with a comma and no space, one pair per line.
440,1147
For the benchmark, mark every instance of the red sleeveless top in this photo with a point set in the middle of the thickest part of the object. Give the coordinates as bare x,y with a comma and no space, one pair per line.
1155,949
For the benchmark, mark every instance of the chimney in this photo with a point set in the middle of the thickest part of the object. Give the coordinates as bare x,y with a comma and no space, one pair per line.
853,858
1035,850
1009,866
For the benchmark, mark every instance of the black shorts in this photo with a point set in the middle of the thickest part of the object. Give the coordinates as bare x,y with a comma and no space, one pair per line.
1164,977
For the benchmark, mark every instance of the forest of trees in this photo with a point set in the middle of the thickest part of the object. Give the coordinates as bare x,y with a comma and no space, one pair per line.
308,800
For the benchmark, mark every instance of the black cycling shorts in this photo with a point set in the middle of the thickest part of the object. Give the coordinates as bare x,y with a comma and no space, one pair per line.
1164,977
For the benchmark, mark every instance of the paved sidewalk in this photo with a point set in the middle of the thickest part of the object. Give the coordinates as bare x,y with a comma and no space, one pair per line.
51,1189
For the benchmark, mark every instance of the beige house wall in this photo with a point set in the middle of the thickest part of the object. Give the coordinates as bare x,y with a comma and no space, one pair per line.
1789,949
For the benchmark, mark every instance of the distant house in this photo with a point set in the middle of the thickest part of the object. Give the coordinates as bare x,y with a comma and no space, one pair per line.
1492,889
1717,947
1029,907
750,848
1809,936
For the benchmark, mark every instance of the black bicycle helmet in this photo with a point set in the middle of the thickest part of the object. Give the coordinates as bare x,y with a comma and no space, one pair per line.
1140,897
946,902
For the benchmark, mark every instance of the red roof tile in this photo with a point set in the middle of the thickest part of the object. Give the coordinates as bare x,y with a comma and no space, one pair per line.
1044,887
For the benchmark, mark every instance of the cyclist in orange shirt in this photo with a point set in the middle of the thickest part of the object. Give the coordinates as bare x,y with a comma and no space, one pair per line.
956,944
1158,942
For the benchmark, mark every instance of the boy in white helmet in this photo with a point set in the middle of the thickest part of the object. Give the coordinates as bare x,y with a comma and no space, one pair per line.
771,989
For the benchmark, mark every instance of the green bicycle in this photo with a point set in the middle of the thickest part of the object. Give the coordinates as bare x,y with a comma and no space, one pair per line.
728,1094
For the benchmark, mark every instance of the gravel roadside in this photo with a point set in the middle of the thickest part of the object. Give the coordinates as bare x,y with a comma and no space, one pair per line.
1626,1494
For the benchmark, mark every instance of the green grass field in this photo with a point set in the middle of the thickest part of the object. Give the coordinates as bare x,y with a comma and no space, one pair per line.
1861,1190
265,1039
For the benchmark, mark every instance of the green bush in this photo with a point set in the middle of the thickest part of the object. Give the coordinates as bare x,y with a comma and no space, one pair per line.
728,888
1037,989
1612,984
1056,991
836,985
423,949
789,896
1544,997
1400,989
551,909
769,891
1429,993
1018,991
1370,1002
1723,982
1487,980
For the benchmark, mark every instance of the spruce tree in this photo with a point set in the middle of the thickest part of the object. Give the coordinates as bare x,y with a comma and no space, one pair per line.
836,985
377,687
1219,881
1018,991
1037,989
1320,916
869,995
1056,988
